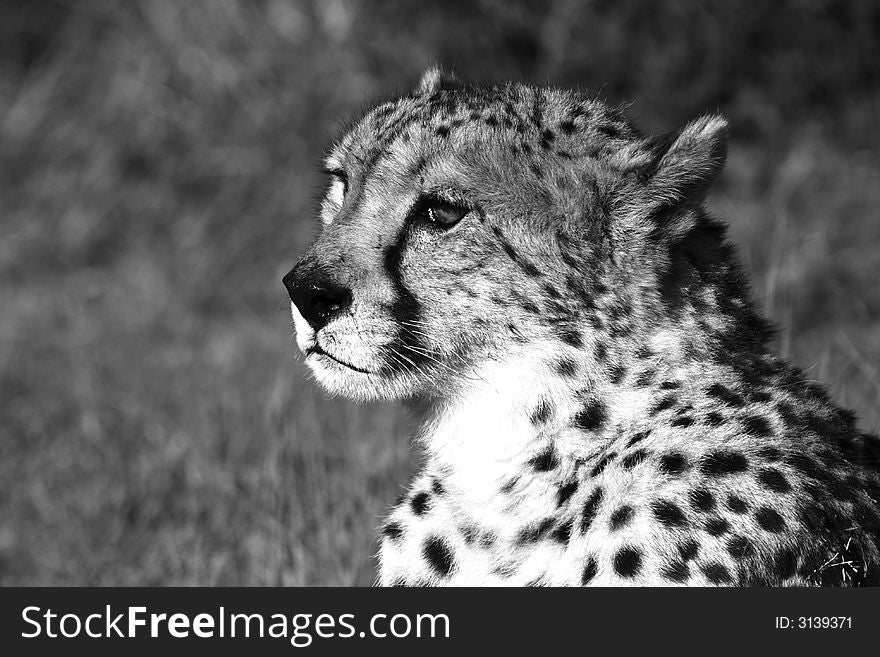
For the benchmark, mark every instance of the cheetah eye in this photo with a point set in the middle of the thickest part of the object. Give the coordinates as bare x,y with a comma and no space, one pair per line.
444,214
338,175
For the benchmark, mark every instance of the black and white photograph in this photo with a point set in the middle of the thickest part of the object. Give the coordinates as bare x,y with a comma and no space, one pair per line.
338,293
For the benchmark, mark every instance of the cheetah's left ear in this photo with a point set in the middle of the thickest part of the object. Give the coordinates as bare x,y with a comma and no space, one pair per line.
693,161
678,171
436,79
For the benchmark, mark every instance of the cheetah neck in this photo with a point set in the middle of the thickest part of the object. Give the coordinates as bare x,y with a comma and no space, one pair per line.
486,440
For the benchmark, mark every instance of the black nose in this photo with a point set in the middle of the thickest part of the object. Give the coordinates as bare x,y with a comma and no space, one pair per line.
317,298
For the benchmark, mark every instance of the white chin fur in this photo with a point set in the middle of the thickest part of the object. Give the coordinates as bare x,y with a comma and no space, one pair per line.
338,379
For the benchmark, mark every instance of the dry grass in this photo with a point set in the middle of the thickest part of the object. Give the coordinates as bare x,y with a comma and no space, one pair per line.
157,169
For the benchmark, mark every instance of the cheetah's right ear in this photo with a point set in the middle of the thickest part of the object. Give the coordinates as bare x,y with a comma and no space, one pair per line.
678,171
436,79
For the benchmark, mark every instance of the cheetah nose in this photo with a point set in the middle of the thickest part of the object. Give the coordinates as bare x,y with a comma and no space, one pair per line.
317,298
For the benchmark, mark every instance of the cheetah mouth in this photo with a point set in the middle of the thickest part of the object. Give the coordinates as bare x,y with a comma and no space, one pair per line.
318,351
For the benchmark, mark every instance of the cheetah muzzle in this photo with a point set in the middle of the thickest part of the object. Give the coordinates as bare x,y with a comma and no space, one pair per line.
599,402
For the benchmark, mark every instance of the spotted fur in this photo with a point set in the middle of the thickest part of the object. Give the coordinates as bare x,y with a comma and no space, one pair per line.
598,401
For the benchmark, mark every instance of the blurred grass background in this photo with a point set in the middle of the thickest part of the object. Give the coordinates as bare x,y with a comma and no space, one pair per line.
158,176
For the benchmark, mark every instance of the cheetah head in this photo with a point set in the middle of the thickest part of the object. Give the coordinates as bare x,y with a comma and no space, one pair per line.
465,226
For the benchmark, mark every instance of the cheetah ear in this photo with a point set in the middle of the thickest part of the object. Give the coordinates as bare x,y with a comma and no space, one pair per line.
436,79
692,161
678,171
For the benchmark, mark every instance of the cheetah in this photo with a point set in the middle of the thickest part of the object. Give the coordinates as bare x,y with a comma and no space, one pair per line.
597,400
